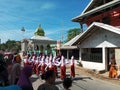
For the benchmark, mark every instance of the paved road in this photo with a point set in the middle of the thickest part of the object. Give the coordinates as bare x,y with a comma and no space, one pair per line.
81,82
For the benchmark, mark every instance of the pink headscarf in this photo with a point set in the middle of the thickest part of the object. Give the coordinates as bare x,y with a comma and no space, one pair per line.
24,77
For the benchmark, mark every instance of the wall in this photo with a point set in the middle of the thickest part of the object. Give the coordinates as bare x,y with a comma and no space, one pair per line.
114,16
93,65
101,38
117,55
24,46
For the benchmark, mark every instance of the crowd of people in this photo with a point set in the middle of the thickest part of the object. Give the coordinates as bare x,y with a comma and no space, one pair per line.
13,75
43,63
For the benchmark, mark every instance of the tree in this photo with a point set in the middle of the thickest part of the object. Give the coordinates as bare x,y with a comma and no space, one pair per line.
72,33
11,45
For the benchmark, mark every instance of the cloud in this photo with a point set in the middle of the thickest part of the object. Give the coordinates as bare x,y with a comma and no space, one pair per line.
14,35
58,33
29,13
9,34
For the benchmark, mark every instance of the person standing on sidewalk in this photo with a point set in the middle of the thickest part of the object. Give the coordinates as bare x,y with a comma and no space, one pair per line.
113,68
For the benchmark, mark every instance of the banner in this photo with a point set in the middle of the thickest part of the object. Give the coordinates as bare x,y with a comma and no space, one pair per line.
58,44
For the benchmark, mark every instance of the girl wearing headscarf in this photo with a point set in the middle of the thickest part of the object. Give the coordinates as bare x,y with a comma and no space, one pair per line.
43,65
72,73
24,77
50,65
63,69
25,60
37,67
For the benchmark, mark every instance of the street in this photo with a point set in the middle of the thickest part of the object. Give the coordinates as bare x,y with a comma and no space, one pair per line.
81,82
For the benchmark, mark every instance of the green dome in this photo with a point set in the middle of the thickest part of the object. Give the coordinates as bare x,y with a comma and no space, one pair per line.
40,31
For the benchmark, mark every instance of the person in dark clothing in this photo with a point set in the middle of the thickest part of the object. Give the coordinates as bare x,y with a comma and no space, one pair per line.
49,77
3,74
67,83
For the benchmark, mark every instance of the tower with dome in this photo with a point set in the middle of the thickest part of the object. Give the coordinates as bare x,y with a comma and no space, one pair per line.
38,43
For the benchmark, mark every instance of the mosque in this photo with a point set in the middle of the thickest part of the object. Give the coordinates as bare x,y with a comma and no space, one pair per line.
39,43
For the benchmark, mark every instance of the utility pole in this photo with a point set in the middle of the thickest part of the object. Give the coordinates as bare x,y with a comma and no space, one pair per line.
62,33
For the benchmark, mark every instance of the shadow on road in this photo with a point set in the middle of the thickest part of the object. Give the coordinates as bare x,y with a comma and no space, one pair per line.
74,79
82,78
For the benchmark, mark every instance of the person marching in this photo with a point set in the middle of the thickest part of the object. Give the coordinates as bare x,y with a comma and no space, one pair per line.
55,66
63,69
37,66
43,65
34,59
72,72
25,60
50,65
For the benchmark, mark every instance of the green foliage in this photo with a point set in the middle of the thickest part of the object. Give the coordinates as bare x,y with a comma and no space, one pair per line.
11,45
72,33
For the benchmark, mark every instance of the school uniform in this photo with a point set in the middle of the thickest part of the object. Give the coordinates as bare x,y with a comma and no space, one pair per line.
72,67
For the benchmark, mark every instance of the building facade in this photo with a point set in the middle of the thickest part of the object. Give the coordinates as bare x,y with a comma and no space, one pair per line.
39,43
100,41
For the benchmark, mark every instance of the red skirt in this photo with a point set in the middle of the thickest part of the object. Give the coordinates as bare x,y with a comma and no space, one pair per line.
37,69
43,69
72,73
63,72
55,70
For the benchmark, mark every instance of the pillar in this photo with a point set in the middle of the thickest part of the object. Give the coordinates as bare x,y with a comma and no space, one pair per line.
67,54
104,60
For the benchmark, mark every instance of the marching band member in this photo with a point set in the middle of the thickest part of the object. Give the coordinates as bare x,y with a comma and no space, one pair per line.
43,65
37,66
55,66
30,61
72,72
25,60
50,65
63,68
33,63
46,60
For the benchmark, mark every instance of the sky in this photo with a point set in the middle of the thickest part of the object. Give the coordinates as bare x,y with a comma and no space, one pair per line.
54,16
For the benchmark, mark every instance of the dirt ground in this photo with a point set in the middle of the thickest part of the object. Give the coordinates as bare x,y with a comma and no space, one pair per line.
91,73
36,81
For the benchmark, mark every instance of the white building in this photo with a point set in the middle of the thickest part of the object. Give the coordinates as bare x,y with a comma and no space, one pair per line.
38,43
101,40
